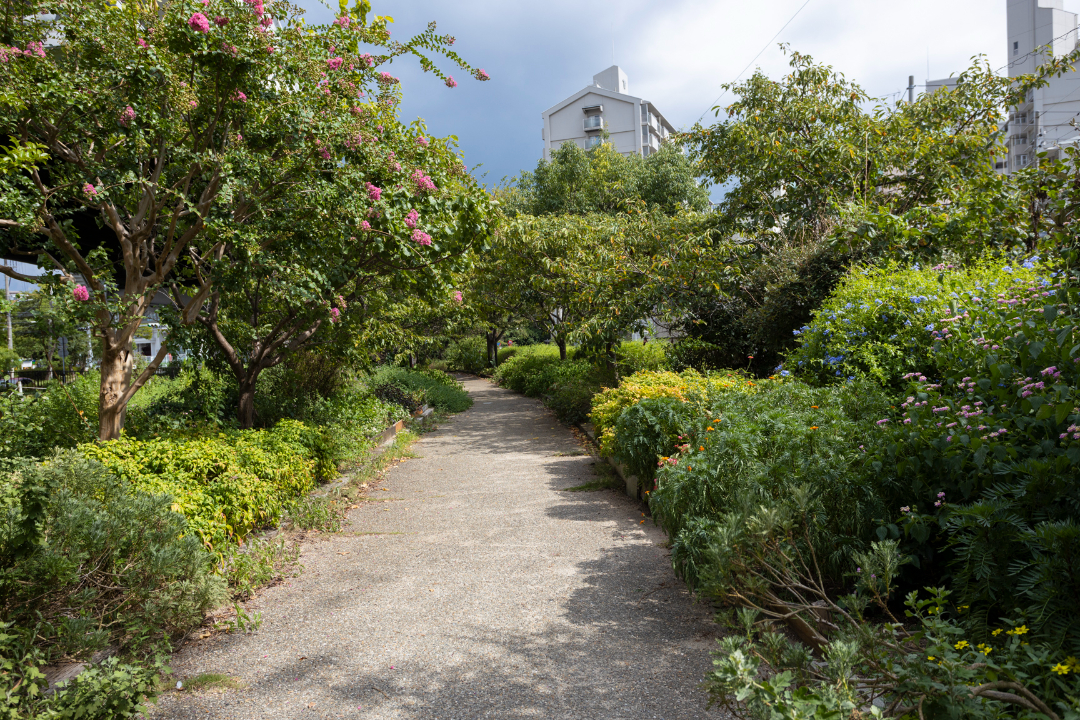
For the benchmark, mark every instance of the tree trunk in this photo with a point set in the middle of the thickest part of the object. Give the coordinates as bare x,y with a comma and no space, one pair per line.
561,342
492,349
245,411
116,365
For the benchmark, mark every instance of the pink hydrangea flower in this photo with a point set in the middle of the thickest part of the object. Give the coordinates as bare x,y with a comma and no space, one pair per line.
481,75
334,63
89,189
421,237
81,293
373,192
422,141
199,23
365,225
450,81
221,21
412,219
458,297
127,116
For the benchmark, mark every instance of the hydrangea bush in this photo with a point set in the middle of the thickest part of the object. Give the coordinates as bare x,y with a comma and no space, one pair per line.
881,323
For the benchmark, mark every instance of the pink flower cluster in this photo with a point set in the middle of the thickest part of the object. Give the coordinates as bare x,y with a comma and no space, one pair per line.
32,49
335,314
221,21
387,79
421,237
373,192
343,21
257,6
412,219
334,63
365,225
81,293
450,81
141,43
422,141
481,75
199,23
458,297
127,116
367,60
239,96
423,182
90,190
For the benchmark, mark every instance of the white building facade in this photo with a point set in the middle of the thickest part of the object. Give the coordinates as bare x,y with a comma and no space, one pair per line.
634,126
1043,123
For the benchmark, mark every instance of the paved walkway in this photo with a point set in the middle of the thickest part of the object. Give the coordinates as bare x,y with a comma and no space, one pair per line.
477,590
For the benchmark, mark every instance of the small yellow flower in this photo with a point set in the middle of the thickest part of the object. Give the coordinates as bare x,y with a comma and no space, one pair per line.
984,648
1073,664
931,657
961,645
1061,669
997,632
1022,630
813,427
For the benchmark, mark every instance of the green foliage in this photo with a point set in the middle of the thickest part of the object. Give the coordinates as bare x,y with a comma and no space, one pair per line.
317,512
227,485
467,354
257,563
109,564
881,322
435,387
565,386
111,690
980,466
602,180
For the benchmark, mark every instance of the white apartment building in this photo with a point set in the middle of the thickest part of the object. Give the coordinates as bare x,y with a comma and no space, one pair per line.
634,125
1044,121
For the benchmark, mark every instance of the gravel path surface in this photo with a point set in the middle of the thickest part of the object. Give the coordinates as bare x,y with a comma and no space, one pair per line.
476,589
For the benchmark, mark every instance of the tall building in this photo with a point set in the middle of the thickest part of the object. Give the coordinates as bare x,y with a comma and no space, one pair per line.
1044,121
634,125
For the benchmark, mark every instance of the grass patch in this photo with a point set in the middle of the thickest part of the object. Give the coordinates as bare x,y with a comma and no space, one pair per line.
213,681
606,480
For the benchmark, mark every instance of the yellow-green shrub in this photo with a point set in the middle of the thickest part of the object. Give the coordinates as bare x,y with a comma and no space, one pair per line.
225,485
689,386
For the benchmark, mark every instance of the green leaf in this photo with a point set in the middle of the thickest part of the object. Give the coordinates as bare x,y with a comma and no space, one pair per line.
1064,335
1063,411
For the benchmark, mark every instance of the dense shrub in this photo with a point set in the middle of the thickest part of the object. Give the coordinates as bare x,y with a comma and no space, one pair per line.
730,441
434,387
98,562
880,322
637,356
980,465
468,354
567,387
229,484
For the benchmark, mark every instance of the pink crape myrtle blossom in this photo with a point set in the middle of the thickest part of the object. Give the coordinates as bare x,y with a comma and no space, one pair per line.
127,116
367,60
199,23
141,43
373,192
387,78
421,238
412,219
257,6
270,49
458,297
481,75
221,21
423,182
334,63
34,48
81,293
239,96
89,189
365,225
450,81
422,141
343,21
335,314
266,22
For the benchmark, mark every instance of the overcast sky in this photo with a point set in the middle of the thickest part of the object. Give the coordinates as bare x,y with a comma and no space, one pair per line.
676,53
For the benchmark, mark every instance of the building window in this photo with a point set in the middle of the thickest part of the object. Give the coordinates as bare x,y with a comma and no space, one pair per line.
1016,48
593,142
645,134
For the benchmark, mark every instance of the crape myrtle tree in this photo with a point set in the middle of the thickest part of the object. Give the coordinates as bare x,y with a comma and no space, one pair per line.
163,123
395,215
815,180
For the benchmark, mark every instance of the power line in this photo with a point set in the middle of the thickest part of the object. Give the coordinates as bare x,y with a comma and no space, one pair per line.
721,95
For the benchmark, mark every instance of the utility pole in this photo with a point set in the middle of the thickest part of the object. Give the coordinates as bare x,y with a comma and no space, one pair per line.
911,89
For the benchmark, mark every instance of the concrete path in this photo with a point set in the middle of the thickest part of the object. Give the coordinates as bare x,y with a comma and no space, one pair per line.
477,589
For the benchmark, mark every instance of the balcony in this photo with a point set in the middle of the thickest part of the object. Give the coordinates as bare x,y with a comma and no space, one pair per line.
594,122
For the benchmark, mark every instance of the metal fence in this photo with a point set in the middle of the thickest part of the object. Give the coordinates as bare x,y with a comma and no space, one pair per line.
39,378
